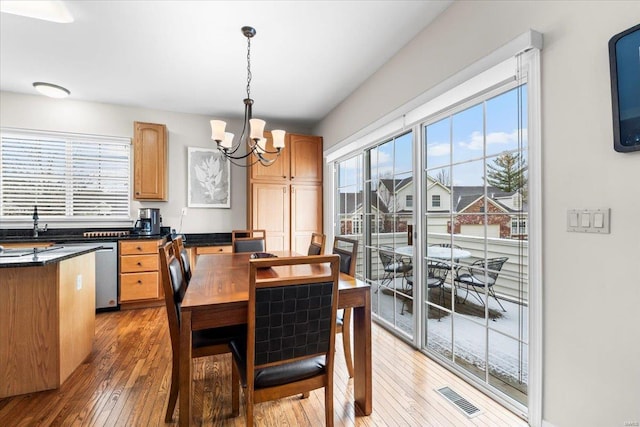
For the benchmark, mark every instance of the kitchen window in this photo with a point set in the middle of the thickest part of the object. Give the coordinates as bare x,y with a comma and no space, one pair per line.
68,176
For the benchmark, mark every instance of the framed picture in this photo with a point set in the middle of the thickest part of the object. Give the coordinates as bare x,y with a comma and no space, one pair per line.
209,179
624,62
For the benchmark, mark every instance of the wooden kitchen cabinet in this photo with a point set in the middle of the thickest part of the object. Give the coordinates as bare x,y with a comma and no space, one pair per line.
150,161
139,268
285,199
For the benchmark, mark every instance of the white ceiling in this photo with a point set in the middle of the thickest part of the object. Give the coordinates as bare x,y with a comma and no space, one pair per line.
190,56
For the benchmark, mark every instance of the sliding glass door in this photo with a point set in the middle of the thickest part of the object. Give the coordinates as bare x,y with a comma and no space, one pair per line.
475,240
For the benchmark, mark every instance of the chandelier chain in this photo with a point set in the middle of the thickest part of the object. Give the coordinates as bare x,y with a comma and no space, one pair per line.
248,67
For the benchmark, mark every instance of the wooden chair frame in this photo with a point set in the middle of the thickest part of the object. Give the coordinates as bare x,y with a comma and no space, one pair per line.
248,235
325,379
317,243
178,248
345,327
167,256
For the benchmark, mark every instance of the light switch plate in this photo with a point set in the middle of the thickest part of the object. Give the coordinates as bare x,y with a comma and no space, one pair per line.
589,220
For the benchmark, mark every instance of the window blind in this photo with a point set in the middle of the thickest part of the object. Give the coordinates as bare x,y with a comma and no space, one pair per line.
66,176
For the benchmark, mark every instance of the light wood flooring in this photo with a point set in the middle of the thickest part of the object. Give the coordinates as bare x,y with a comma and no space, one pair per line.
125,382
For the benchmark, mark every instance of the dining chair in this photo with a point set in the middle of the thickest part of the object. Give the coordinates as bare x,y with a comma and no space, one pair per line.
316,247
183,256
348,251
437,272
248,240
481,274
290,344
205,342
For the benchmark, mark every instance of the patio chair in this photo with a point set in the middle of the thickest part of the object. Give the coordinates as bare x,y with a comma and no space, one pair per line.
436,275
392,265
481,274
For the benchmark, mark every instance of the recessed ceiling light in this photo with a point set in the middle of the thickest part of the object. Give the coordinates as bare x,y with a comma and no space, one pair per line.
51,90
48,10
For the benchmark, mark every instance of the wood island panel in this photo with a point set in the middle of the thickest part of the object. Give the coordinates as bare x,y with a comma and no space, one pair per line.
48,323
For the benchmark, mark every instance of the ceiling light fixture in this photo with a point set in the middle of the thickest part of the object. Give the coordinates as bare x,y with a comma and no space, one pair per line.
47,10
51,90
252,136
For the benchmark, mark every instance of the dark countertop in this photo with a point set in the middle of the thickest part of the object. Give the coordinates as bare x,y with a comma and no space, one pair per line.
37,257
77,235
192,240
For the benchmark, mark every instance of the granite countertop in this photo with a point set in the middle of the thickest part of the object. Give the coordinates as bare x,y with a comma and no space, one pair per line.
75,235
37,257
192,240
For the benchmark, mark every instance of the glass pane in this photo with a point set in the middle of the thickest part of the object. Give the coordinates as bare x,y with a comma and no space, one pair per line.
508,366
467,134
438,332
467,180
469,343
438,144
506,125
404,154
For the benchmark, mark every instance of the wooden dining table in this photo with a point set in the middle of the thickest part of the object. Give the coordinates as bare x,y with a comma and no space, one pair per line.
218,295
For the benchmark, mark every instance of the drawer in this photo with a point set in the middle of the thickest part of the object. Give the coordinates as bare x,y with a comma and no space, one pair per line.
135,286
213,250
138,263
139,247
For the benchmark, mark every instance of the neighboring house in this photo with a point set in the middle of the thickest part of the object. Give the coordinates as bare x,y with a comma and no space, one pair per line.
392,206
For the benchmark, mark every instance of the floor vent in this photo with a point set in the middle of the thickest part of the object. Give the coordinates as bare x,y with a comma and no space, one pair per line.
468,408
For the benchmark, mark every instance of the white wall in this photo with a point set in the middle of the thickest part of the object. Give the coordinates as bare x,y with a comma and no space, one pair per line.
184,130
591,282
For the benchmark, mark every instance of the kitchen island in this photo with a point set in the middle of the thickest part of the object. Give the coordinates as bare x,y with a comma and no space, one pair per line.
47,315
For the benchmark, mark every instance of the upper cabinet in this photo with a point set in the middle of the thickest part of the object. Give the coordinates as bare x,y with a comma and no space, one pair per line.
300,161
150,161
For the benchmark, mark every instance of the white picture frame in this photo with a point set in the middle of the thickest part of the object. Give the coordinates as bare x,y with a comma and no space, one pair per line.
209,179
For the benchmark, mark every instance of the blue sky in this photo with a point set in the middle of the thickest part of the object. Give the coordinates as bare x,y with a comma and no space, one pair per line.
460,136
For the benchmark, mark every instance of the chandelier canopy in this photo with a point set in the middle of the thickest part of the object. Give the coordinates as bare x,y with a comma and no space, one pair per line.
252,142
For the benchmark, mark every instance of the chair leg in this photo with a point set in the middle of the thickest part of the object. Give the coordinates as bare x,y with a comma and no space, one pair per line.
248,397
328,403
173,391
346,340
493,294
235,389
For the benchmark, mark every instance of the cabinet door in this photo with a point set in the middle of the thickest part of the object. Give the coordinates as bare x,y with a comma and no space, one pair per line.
278,171
271,213
306,215
306,158
149,161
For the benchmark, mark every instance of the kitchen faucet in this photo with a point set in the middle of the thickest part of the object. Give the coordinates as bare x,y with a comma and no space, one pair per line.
36,230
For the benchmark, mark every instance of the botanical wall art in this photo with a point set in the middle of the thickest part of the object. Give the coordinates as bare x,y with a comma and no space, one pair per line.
209,179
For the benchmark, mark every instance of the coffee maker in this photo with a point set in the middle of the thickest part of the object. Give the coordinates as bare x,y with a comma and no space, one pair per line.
148,223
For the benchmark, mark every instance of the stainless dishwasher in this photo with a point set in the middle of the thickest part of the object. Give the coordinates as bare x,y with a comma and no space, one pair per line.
106,274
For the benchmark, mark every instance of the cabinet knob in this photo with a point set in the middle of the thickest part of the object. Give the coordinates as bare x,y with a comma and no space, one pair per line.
139,248
140,264
284,176
139,282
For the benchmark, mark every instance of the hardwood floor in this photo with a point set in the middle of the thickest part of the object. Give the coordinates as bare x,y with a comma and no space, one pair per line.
125,382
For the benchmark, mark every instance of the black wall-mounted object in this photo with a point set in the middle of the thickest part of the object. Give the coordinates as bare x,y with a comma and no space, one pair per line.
624,62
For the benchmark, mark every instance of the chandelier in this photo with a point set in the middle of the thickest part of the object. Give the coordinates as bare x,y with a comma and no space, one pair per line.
252,141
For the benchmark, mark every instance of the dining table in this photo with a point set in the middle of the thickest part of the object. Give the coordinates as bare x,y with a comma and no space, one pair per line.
218,296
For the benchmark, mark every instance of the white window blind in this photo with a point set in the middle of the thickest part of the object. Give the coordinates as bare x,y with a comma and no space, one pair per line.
66,175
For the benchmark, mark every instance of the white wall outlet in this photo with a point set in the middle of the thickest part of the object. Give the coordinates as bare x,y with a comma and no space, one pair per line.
79,281
184,212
